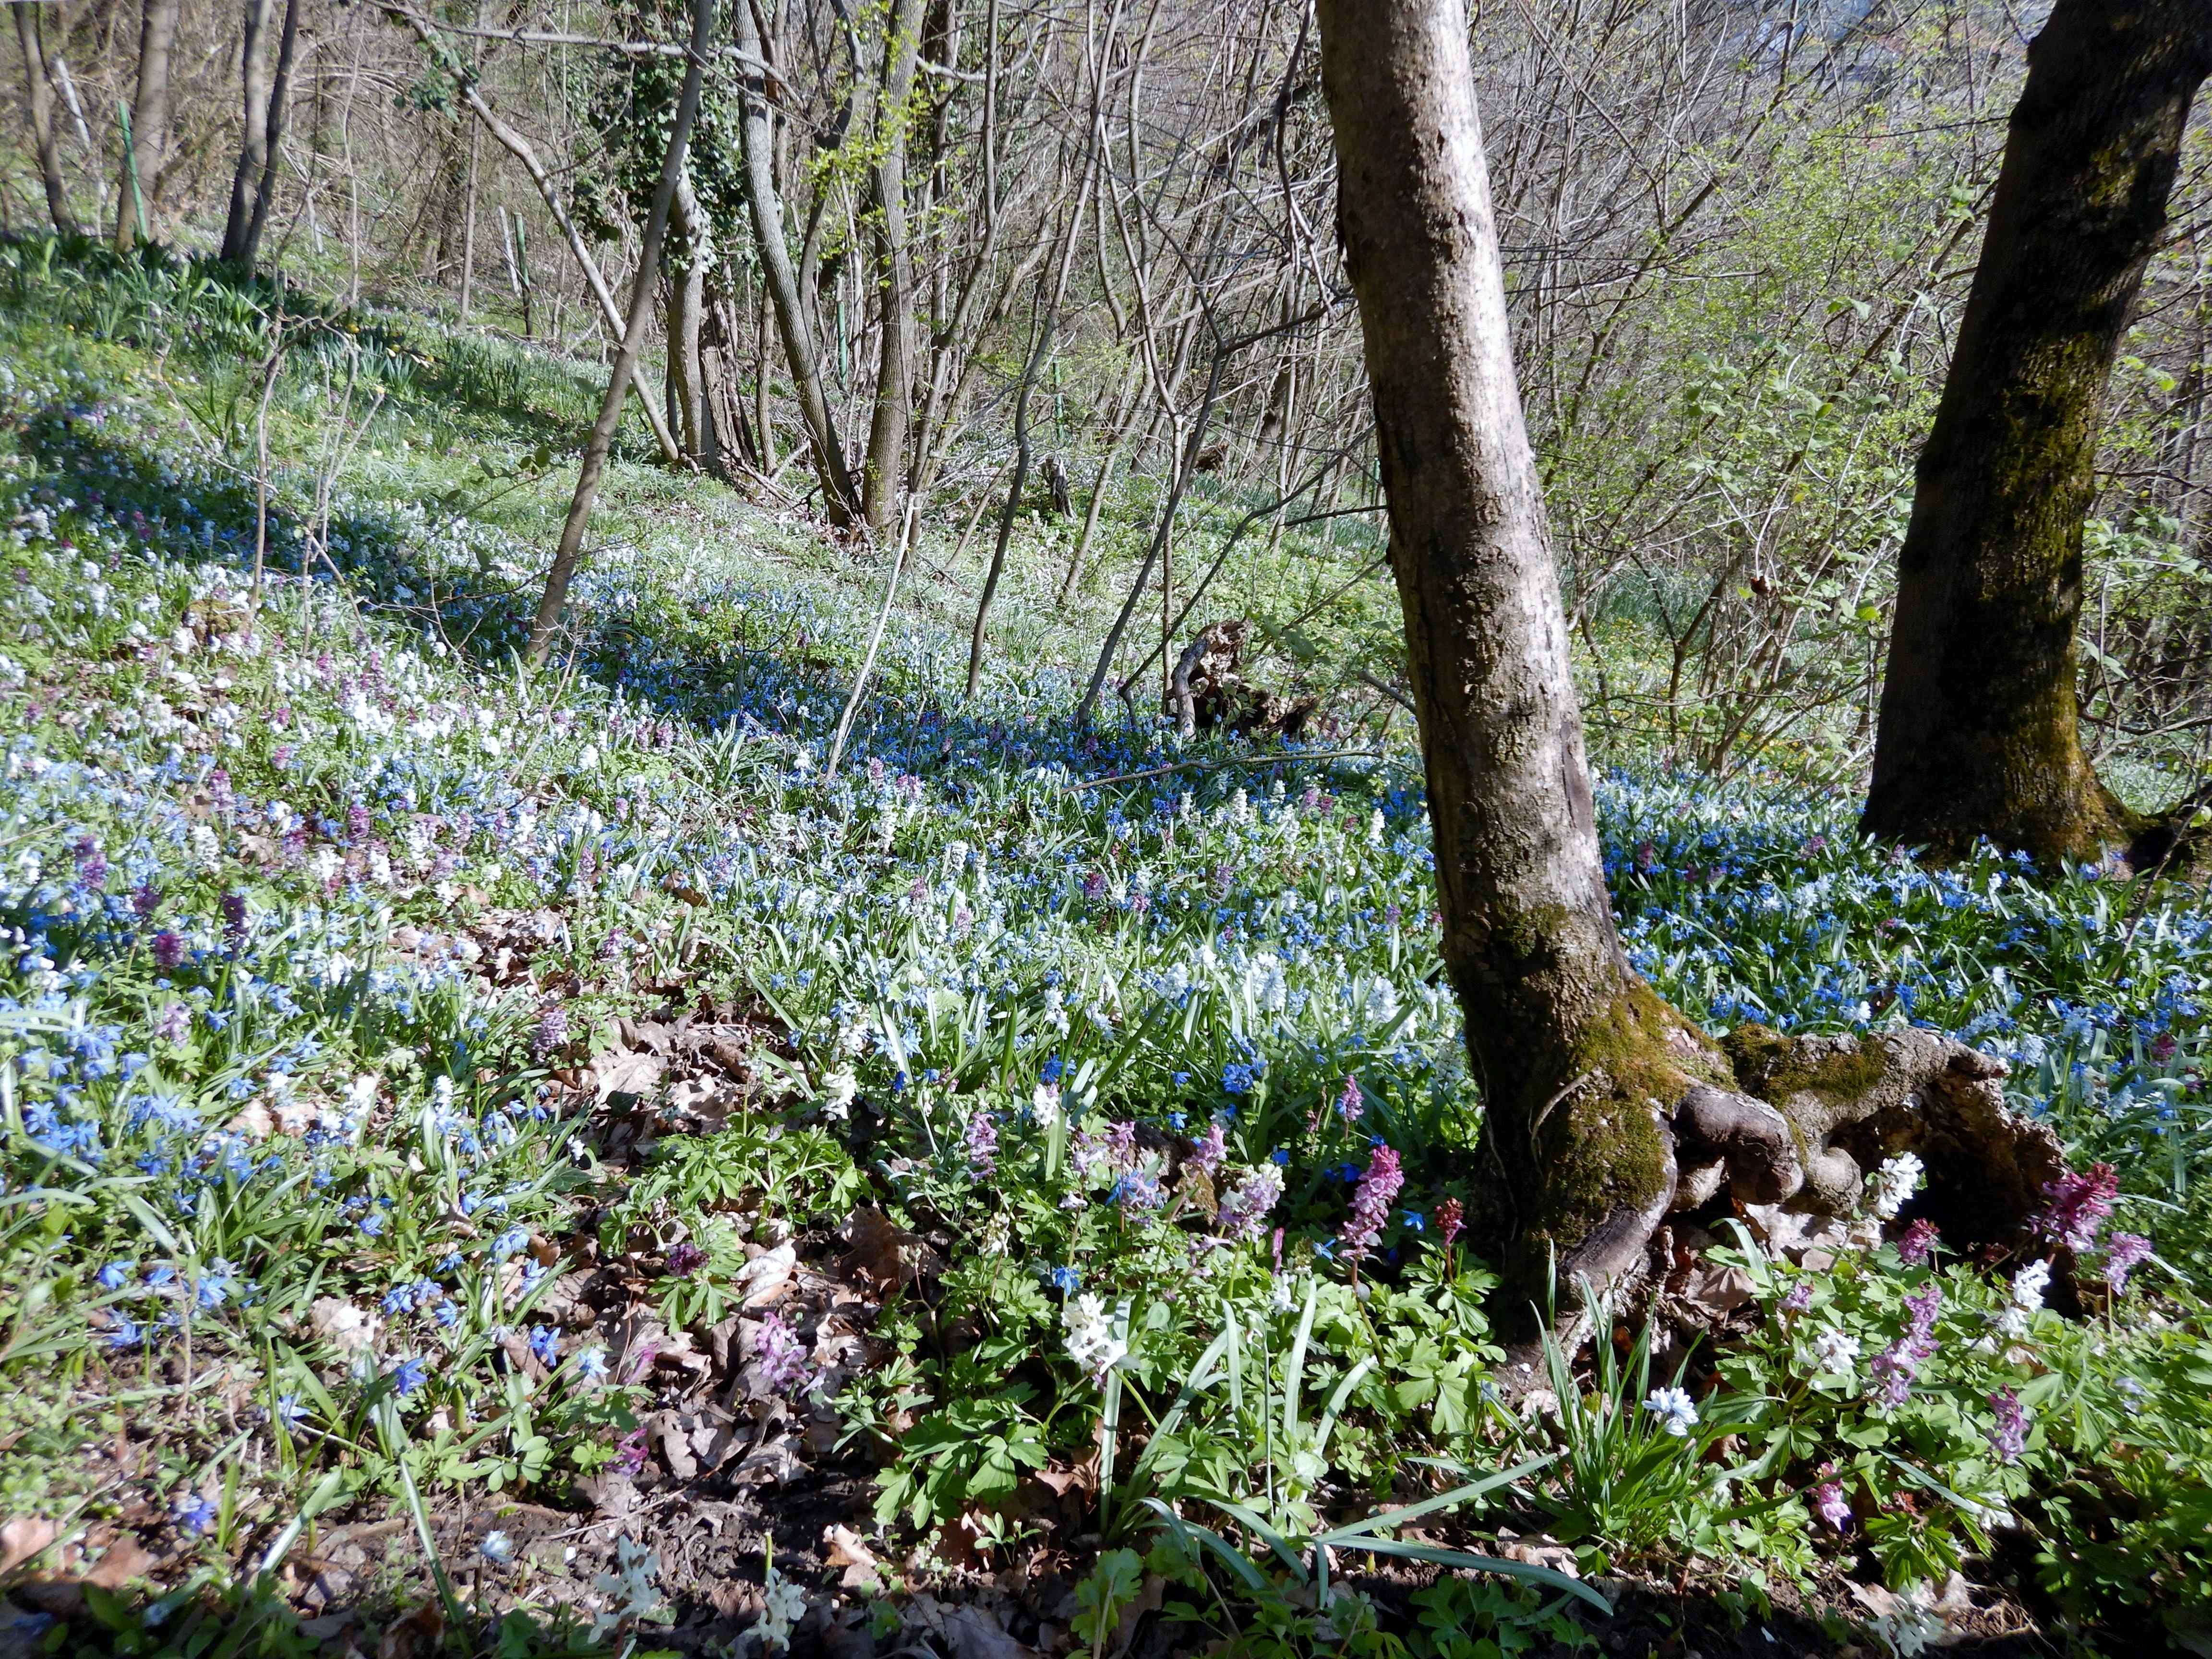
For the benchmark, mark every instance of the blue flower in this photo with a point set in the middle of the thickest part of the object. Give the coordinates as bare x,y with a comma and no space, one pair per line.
114,1275
409,1375
1416,1221
194,1514
1066,1281
546,1343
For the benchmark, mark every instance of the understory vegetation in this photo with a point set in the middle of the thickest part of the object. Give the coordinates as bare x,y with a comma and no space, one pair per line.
540,1161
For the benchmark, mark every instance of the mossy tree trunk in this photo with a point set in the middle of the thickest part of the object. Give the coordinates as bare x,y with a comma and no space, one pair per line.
1979,732
1579,1061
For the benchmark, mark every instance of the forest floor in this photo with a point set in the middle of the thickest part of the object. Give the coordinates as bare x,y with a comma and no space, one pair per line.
534,1164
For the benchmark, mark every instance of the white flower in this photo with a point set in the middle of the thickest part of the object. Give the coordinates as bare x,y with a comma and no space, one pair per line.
838,1089
1045,1099
630,1590
2027,1288
1091,1343
784,1604
1834,1351
1375,828
497,1548
1676,1412
1897,1179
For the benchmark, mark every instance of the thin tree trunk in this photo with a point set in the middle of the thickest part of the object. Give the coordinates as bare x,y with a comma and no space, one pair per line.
280,98
1570,1049
885,476
596,447
1979,732
252,145
150,122
756,134
521,149
687,310
38,100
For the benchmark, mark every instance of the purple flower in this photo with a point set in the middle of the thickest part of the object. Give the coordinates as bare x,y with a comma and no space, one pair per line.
357,821
781,1351
1244,1213
1210,1149
1351,1105
685,1260
629,1452
983,1144
145,899
1451,1221
2123,1254
168,951
2009,1437
1917,1242
1800,1296
234,916
552,1033
1831,1505
1371,1203
2079,1206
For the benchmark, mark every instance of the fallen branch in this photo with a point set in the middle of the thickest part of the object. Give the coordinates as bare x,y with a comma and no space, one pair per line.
1222,766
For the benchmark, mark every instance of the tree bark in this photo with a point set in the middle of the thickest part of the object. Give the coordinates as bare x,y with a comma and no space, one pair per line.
253,142
1979,732
756,135
38,102
1579,1061
280,96
150,122
602,438
894,410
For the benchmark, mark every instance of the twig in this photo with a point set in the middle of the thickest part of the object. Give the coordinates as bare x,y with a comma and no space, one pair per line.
1219,766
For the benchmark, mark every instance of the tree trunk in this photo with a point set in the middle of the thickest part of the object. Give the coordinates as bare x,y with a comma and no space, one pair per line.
521,149
253,142
1979,732
756,133
38,101
1576,1058
280,95
150,122
601,440
893,411
687,313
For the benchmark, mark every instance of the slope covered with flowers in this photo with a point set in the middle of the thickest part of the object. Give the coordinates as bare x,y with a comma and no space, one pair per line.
431,1087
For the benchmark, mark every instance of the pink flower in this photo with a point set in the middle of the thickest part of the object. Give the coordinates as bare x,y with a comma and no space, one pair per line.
1371,1203
1917,1242
1800,1296
1451,1221
1351,1105
781,1351
2079,1206
2123,1254
1211,1149
1832,1506
2009,1437
983,1144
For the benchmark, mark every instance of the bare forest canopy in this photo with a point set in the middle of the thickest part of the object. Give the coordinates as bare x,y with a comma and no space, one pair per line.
1737,238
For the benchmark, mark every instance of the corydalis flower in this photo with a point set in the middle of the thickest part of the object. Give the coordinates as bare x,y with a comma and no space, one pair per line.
1351,1105
685,1260
1831,1505
2026,1297
780,1353
1211,1149
552,1033
1371,1203
1893,1183
1917,1242
983,1144
2123,1254
1896,1366
1451,1221
2079,1206
2008,1437
1091,1343
1244,1213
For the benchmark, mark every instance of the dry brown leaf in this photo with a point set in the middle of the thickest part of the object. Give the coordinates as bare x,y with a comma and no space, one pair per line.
124,1561
25,1536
